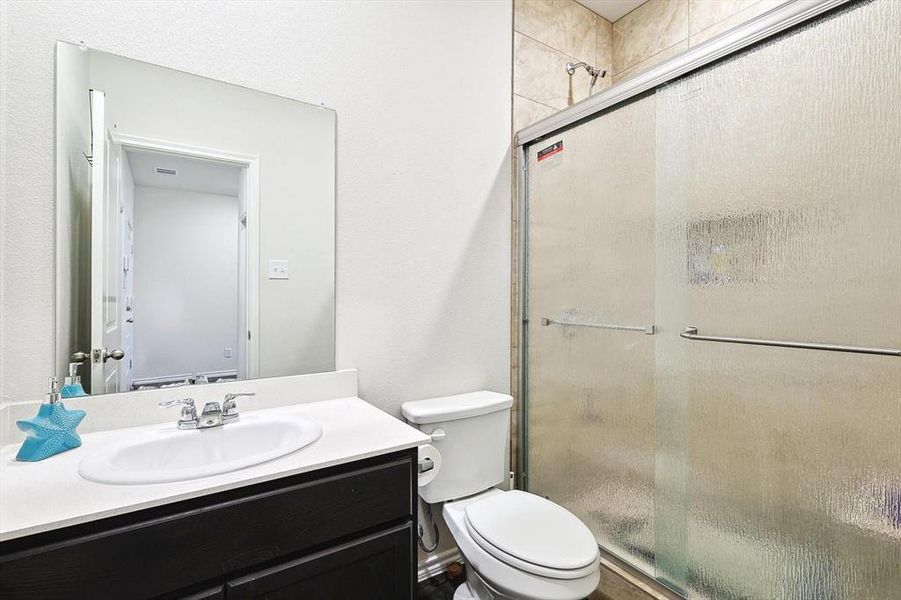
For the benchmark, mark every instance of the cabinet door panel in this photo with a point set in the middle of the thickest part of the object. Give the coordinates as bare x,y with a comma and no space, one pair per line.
375,567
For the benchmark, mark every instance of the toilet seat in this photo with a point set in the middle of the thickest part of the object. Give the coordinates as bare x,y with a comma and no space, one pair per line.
503,579
533,534
528,567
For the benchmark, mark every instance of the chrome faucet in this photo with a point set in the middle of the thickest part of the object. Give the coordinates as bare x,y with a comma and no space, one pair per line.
213,414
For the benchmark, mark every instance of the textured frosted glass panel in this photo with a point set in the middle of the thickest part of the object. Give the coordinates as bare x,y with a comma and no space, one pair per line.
591,258
778,198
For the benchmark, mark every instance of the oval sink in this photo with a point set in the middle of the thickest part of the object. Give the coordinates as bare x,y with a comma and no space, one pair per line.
173,455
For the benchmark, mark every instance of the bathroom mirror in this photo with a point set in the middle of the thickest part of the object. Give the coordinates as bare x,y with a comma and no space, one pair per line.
195,228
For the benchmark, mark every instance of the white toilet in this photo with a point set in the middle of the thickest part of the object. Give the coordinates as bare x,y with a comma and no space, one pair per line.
516,544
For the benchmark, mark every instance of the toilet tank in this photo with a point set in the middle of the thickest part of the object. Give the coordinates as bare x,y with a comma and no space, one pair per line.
470,431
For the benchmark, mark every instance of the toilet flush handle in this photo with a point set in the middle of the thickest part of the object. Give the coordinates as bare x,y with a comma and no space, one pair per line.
438,434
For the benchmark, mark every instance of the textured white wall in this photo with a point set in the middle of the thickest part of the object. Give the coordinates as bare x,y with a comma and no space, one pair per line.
422,91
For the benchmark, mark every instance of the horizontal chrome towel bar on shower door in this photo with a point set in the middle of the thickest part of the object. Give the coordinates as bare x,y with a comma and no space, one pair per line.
691,333
649,330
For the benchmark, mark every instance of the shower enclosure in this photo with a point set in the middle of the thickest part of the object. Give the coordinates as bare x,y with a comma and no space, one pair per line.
758,198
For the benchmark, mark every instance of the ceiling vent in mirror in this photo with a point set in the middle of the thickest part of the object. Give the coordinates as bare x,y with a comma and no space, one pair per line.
163,171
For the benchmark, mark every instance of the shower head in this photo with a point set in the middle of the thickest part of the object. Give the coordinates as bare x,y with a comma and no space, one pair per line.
592,70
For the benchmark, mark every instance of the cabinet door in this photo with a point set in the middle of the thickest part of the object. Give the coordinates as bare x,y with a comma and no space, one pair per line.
380,566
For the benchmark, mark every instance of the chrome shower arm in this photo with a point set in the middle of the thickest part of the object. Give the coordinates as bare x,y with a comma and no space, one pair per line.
591,69
571,67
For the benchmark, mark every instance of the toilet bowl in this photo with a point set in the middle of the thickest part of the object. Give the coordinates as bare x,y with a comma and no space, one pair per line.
512,566
515,544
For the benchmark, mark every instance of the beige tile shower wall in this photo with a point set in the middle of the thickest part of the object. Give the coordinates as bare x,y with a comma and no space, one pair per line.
660,29
547,34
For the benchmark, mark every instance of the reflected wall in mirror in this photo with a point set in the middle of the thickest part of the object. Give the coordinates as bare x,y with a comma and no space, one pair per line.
195,224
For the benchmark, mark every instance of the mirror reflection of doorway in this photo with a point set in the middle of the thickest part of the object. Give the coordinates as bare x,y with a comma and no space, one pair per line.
176,256
187,303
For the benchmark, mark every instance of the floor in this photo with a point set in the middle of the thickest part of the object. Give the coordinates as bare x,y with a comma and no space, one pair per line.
612,587
440,587
618,581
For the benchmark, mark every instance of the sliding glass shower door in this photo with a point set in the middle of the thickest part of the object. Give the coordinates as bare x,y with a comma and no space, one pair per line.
757,198
591,391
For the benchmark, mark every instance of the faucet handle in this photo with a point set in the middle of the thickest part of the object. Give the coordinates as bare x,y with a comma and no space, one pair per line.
188,411
230,407
188,402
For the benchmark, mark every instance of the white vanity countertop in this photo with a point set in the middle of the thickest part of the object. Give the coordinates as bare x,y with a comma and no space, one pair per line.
45,495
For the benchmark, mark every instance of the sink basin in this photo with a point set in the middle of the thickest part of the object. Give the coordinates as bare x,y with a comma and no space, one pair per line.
161,456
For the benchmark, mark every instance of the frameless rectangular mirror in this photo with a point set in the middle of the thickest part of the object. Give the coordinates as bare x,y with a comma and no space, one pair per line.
195,228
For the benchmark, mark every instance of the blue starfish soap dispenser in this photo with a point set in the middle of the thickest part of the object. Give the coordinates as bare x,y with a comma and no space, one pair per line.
52,430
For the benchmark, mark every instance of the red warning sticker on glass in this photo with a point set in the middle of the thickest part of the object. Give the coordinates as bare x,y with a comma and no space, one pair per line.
555,148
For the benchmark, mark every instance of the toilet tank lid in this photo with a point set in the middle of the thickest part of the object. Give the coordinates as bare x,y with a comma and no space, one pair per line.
451,408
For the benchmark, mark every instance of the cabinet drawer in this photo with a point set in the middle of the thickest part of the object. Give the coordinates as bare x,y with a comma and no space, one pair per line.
376,567
167,553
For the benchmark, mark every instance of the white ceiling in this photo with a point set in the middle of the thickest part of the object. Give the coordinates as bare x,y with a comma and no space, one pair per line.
192,174
611,10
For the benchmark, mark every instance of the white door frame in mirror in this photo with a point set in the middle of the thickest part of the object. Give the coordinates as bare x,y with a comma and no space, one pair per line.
252,193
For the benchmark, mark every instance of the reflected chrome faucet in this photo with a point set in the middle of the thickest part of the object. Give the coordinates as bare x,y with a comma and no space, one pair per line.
213,414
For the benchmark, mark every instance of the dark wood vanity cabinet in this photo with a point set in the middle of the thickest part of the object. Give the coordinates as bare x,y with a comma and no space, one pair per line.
342,532
376,566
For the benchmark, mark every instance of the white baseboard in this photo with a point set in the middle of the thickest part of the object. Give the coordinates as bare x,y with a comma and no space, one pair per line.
180,377
437,563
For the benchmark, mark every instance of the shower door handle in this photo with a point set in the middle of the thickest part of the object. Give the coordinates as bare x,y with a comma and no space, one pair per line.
646,329
691,333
